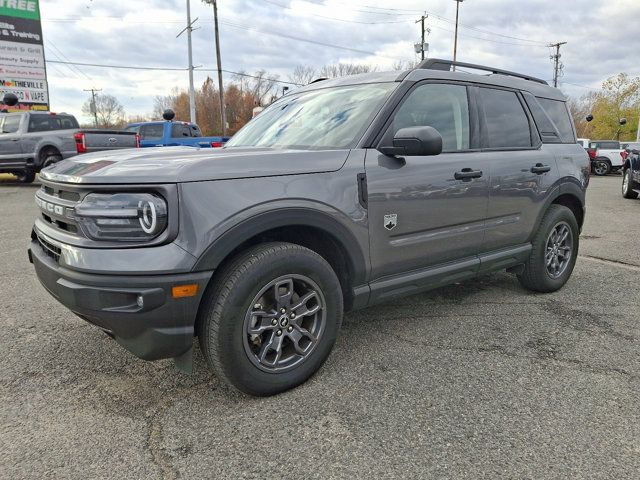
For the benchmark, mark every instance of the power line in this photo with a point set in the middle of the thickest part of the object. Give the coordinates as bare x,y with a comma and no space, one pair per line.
165,69
287,7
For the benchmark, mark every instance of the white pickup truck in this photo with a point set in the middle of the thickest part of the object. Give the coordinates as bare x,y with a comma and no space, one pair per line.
606,156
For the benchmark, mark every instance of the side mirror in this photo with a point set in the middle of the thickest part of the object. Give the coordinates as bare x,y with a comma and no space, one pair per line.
415,141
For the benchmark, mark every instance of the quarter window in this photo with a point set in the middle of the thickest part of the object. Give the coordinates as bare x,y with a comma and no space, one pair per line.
506,121
557,111
443,107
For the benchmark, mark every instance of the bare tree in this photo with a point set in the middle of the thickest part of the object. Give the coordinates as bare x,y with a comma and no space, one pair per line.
109,111
342,69
303,75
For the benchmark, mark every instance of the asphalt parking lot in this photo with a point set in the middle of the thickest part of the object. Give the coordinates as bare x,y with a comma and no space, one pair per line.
477,380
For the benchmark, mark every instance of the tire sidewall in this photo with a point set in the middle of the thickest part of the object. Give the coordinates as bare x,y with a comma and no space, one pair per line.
607,168
232,356
556,215
50,160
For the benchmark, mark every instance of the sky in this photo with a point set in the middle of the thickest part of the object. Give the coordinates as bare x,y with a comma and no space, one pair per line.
278,35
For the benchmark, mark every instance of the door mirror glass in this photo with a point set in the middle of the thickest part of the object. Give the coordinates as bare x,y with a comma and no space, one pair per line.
415,141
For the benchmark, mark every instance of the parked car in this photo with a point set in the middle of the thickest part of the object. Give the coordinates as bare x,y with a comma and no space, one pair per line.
31,141
606,156
631,172
172,134
344,194
583,142
630,146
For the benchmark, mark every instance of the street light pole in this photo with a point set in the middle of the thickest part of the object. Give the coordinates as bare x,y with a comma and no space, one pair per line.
192,93
223,114
455,39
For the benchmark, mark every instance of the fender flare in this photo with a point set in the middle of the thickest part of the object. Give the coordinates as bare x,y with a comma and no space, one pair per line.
568,187
219,250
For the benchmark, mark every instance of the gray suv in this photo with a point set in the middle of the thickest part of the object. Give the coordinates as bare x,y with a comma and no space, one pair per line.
341,195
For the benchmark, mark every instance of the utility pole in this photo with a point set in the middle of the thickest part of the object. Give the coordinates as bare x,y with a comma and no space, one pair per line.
93,108
223,113
192,94
421,50
455,39
557,65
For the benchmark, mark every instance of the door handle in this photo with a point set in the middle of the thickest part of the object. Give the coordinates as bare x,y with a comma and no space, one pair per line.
539,169
466,174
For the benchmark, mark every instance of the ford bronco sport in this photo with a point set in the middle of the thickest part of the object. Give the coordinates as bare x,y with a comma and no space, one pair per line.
344,194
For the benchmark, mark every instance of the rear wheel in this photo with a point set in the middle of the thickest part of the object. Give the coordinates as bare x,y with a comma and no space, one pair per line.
554,251
271,318
627,185
601,167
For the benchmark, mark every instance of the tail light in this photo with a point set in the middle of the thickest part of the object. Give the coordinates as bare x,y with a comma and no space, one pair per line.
81,145
137,140
624,154
592,153
216,144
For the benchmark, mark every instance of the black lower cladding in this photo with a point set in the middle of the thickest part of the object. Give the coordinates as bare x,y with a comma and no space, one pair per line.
138,311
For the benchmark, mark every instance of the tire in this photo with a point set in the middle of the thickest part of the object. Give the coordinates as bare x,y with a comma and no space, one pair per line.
241,290
27,176
536,275
601,167
627,185
50,160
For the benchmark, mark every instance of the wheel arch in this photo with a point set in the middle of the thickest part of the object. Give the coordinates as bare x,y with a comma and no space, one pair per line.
569,195
45,150
302,226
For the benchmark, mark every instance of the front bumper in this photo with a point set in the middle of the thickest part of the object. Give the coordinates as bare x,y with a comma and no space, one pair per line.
139,312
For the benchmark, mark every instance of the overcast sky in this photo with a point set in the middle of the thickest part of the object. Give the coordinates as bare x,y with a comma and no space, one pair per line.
277,35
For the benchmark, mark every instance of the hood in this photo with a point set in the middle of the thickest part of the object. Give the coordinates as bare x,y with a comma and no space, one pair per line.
188,164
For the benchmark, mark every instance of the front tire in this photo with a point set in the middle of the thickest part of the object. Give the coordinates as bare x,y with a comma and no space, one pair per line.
27,176
627,185
271,318
554,252
601,167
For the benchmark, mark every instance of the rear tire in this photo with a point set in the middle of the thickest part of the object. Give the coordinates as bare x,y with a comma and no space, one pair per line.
551,261
50,160
247,338
627,185
601,167
26,177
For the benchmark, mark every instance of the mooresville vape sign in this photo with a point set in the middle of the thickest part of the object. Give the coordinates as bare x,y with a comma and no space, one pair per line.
22,67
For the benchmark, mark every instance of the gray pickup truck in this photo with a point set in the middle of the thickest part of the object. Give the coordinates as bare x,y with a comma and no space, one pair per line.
30,141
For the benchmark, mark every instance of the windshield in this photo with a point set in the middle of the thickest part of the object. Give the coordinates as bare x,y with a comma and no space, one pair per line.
320,119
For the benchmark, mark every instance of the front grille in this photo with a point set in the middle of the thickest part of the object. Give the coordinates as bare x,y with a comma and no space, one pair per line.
49,248
57,204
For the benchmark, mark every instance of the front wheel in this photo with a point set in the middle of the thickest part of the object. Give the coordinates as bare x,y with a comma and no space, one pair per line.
627,185
27,176
554,251
271,318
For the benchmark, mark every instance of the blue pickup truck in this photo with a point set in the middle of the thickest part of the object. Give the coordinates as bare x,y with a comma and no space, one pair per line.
171,134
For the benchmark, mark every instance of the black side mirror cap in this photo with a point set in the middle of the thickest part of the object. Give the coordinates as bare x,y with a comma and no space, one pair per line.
415,141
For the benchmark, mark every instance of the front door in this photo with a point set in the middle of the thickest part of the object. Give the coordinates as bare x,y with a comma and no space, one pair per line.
10,145
428,211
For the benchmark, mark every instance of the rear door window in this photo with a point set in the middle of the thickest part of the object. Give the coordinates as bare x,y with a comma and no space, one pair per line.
41,123
557,111
151,132
179,130
507,124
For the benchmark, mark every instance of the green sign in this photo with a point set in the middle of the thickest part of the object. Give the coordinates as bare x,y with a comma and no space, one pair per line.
20,8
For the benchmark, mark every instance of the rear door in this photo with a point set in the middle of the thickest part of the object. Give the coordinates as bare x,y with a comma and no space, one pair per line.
151,135
522,170
421,214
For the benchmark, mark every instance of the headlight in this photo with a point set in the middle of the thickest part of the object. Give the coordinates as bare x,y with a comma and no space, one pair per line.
122,217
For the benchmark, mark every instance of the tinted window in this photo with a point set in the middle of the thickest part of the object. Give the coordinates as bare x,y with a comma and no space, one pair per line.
65,122
178,130
10,124
506,121
41,123
606,145
443,107
151,132
195,131
557,111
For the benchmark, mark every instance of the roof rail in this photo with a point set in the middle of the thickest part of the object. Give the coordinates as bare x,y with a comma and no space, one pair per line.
321,79
445,65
